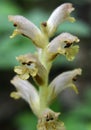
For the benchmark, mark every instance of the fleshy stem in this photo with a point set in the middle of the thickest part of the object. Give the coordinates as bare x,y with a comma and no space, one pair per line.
43,90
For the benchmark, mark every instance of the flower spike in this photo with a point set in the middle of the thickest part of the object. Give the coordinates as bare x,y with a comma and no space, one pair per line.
38,65
28,29
27,91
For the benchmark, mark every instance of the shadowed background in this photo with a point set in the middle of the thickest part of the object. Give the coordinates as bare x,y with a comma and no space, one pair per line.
75,109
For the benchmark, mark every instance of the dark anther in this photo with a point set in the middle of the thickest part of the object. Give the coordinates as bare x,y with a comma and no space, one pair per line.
23,63
29,63
51,118
75,78
67,45
44,24
47,119
14,24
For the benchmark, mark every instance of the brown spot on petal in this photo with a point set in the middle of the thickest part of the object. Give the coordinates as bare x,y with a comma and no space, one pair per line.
39,80
29,63
75,78
44,24
15,25
67,44
49,118
23,63
26,63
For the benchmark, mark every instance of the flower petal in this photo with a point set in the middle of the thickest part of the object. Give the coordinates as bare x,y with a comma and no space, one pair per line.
49,121
62,82
71,52
31,66
62,44
28,29
59,15
27,91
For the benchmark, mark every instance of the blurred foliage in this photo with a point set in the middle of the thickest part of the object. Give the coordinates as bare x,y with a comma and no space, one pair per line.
79,28
80,117
26,121
10,48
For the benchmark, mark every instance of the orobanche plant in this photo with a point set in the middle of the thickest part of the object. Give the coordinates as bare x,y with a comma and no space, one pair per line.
38,65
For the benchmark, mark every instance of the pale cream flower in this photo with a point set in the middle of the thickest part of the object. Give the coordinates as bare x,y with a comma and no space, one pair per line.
28,29
63,44
62,82
30,65
27,91
59,15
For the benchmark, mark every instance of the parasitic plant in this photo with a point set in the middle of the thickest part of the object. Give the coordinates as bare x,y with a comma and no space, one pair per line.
38,65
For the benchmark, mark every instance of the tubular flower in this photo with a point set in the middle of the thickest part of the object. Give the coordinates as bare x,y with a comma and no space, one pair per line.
59,15
27,91
30,65
63,44
28,29
62,82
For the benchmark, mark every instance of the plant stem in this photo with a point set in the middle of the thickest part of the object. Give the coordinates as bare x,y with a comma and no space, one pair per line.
43,90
